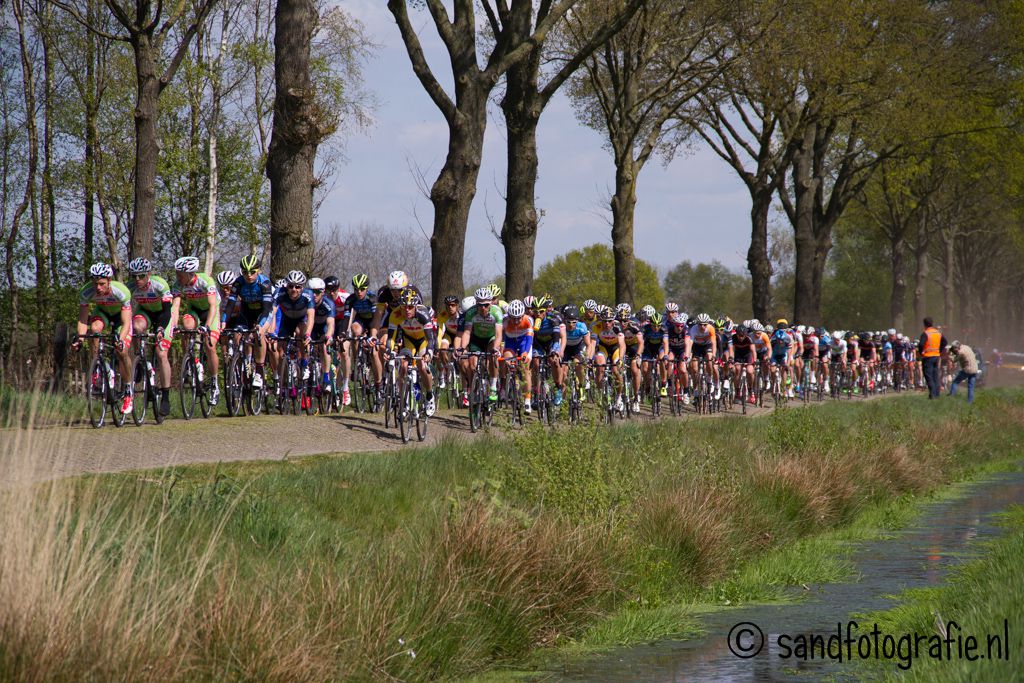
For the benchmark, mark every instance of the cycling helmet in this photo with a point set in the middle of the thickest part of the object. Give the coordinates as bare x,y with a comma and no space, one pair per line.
801,329
249,263
139,265
756,326
331,283
671,307
361,281
316,284
622,314
782,322
742,330
295,277
482,295
531,302
589,305
226,277
606,314
516,309
728,327
101,270
397,279
467,303
409,297
624,308
545,301
280,283
657,319
892,331
187,264
451,300
495,290
769,329
571,313
703,318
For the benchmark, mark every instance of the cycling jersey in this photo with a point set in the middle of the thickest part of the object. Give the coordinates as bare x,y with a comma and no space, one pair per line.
548,329
632,332
195,296
481,323
743,348
837,348
112,303
607,333
782,340
762,343
677,333
448,324
810,347
256,297
324,310
153,297
360,310
575,333
415,330
385,299
654,335
517,335
231,311
294,309
702,334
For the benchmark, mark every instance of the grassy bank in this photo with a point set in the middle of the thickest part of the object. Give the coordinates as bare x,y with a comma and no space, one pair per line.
447,561
974,602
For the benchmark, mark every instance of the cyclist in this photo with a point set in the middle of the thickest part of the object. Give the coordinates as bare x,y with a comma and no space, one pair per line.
324,318
744,355
151,304
106,302
578,343
702,343
253,289
868,359
482,333
783,347
724,332
611,349
295,304
548,340
448,332
655,347
633,336
387,302
414,323
359,312
808,358
199,294
465,306
677,333
588,313
517,342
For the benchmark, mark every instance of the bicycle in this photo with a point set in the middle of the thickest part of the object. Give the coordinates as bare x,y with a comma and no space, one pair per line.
651,385
572,388
364,389
143,374
411,408
192,387
233,371
449,380
101,389
289,391
542,391
479,401
511,394
391,390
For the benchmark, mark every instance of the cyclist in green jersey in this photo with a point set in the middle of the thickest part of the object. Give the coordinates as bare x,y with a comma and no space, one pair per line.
106,302
151,308
199,292
482,332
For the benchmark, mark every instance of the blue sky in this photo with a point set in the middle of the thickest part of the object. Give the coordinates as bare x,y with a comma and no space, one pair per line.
695,208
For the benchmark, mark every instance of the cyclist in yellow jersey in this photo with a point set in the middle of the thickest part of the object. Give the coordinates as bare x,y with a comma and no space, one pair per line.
414,324
611,348
702,342
588,314
448,336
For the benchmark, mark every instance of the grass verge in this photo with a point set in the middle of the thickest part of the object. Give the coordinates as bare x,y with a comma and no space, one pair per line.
982,600
452,560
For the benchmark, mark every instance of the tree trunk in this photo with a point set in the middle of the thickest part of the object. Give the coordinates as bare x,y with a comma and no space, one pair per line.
91,108
623,207
453,191
949,263
758,263
293,141
147,147
899,281
214,179
48,206
804,186
522,108
921,266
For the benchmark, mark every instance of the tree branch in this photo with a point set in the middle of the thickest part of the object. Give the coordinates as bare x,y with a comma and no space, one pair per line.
179,54
81,20
419,62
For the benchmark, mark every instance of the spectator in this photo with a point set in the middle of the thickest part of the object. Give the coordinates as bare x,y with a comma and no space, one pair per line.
965,358
931,346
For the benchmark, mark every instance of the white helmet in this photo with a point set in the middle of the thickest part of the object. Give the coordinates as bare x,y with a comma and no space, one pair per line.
703,318
516,309
648,310
226,277
482,295
801,329
187,264
589,305
295,277
467,303
316,283
756,326
892,331
671,307
838,334
397,279
139,265
101,270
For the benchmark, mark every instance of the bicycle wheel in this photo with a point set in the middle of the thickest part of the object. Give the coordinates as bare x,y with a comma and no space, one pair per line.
475,407
515,401
406,407
233,384
255,396
188,387
205,407
96,393
609,401
140,390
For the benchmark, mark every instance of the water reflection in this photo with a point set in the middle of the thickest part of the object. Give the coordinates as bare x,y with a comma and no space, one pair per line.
917,557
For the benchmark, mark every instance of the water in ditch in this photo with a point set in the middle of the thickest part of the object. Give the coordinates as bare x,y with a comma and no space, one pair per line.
919,556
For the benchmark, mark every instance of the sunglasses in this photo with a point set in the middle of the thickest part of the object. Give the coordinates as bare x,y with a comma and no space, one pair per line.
362,289
250,272
318,291
295,286
410,307
141,276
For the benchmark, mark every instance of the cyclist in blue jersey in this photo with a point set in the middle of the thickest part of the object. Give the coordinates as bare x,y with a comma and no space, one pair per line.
255,293
295,304
324,313
578,343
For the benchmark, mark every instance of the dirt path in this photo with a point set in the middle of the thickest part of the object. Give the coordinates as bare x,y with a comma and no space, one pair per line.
54,452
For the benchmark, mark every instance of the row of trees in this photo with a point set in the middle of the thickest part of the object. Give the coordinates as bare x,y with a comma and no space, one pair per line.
213,126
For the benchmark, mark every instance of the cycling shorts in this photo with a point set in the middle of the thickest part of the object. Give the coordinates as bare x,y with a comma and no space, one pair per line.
479,344
609,352
700,350
516,345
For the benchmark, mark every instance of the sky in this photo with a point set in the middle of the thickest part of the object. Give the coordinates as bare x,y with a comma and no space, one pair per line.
695,208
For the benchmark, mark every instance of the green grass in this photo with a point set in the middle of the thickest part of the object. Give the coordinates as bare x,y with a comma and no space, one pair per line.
470,555
978,597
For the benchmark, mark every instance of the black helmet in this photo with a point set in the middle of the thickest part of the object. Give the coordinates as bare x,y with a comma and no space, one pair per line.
571,312
332,282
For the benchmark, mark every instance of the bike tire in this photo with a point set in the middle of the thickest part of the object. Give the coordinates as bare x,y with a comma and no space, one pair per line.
140,389
233,385
187,389
96,396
